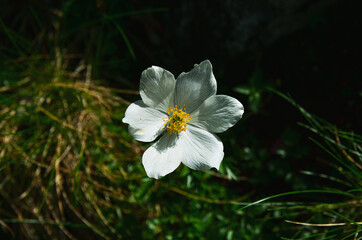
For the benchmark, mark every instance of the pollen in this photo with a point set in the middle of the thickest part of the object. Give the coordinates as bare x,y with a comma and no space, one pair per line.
177,120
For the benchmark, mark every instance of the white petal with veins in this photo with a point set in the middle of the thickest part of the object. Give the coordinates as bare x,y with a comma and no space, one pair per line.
162,157
145,123
217,114
156,88
194,87
201,150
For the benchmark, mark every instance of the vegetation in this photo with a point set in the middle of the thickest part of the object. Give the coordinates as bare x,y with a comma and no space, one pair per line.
70,170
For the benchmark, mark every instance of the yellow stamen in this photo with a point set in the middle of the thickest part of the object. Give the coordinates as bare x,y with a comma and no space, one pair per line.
177,120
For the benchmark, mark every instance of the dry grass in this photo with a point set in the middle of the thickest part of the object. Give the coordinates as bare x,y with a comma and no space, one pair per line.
64,152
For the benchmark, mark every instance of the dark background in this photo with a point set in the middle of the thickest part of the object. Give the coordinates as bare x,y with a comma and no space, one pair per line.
310,49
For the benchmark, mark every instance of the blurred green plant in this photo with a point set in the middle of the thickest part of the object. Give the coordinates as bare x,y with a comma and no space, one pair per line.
254,89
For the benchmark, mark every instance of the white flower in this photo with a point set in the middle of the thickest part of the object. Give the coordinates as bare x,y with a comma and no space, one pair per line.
188,113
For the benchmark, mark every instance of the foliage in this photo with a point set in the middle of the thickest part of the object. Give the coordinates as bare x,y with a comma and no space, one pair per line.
70,170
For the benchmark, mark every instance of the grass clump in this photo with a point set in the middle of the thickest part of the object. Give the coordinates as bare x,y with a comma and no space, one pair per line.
335,217
63,153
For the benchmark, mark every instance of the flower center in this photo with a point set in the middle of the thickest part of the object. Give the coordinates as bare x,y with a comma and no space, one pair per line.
177,120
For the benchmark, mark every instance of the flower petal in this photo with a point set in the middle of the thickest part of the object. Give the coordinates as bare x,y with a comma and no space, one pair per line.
194,87
145,123
156,88
201,150
163,157
217,114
